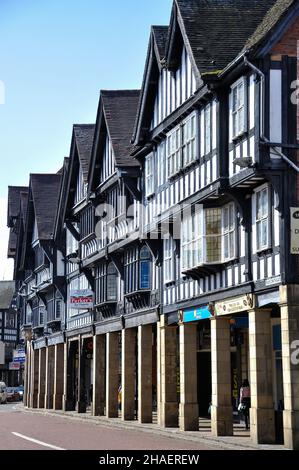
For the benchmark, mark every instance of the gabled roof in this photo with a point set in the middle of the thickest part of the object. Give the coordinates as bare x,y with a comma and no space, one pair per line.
160,34
13,203
218,30
7,289
62,197
120,108
83,134
45,194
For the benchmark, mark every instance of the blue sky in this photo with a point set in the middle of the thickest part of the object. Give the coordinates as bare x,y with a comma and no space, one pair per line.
55,56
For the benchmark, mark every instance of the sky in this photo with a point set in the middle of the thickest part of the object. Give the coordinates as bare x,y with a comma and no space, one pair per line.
55,56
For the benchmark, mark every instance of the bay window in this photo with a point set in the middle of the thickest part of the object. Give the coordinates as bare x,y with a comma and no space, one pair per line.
262,218
207,129
208,237
137,269
106,283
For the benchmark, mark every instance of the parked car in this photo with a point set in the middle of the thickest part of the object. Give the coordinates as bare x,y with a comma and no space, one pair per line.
20,390
3,396
12,394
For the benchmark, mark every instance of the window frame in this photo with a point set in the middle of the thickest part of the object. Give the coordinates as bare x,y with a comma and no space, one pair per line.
229,232
207,137
149,175
168,260
235,86
191,139
263,218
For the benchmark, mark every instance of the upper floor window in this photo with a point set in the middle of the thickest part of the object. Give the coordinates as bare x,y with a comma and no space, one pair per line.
137,269
262,218
189,140
168,260
106,283
207,129
208,236
108,164
239,107
149,175
229,232
81,189
174,151
161,163
182,145
112,278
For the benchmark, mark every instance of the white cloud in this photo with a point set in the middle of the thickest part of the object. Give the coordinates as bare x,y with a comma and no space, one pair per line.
6,265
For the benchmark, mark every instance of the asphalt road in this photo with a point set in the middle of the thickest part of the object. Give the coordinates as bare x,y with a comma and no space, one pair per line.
20,430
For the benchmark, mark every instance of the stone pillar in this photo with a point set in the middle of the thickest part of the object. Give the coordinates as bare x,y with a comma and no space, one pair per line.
128,364
69,399
58,376
289,307
168,410
145,373
158,371
27,374
98,391
112,372
262,419
34,377
49,382
41,378
81,401
222,412
188,415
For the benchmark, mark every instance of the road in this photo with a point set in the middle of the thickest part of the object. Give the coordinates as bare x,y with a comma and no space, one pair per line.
21,430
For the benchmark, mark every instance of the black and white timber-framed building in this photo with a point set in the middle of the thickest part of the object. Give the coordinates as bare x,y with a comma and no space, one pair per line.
174,212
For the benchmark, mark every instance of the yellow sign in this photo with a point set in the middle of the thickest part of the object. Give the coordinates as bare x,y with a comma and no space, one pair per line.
235,305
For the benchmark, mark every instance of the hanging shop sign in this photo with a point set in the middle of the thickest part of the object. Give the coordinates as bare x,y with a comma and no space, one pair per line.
235,305
14,366
196,314
81,299
19,355
294,230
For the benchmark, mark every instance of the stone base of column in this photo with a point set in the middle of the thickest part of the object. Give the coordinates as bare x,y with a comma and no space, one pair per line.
81,406
48,402
67,405
188,417
222,420
262,425
33,400
169,415
57,402
291,429
145,416
40,400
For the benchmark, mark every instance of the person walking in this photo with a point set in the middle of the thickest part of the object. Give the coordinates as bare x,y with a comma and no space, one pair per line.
245,401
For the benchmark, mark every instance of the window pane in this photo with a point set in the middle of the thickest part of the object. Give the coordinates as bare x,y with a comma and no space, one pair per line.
144,274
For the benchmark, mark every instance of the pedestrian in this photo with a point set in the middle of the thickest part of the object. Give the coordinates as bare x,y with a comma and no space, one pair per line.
244,404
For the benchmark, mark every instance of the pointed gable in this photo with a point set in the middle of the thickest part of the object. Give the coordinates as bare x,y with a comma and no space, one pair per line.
83,134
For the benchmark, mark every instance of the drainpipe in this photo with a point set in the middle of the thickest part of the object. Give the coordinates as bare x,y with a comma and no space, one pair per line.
262,116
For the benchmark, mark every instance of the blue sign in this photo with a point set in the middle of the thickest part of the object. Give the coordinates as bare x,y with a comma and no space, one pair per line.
19,359
196,314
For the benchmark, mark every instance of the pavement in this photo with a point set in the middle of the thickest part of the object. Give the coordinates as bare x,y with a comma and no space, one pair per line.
23,428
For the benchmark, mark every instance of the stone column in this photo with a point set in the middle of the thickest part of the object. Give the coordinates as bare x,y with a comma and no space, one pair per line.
34,377
98,392
289,307
81,402
69,399
262,419
158,371
112,372
49,382
128,363
145,374
27,374
58,376
188,415
221,413
168,411
41,378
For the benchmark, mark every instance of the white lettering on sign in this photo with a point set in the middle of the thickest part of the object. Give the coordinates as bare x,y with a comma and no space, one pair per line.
294,212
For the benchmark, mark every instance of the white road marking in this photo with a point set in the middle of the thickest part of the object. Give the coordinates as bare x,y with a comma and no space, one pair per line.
36,441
